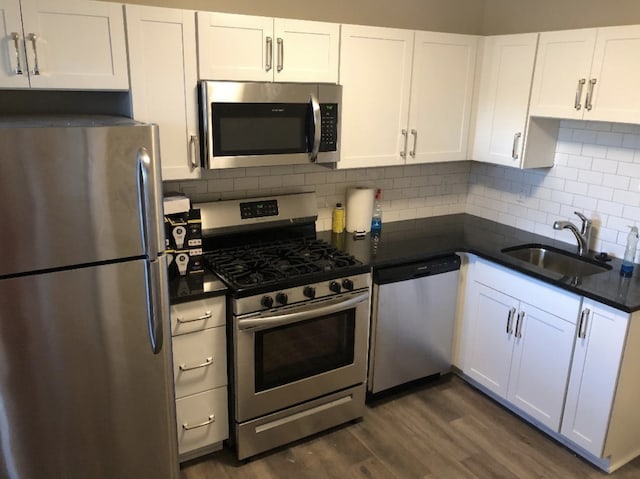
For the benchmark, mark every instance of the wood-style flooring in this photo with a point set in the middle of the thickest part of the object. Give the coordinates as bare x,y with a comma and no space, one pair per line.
443,430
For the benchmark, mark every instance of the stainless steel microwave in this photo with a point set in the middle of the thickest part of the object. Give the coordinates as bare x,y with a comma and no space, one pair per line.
266,124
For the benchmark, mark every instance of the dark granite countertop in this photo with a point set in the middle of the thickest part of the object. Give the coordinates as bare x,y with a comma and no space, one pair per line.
406,241
195,286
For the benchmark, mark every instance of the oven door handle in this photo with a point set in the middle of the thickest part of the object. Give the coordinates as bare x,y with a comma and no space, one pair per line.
269,320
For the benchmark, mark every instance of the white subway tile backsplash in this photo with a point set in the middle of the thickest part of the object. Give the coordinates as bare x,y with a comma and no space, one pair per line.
600,192
609,138
597,171
244,183
606,187
594,151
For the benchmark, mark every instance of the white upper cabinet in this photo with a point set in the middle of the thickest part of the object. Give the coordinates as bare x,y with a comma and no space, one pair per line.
375,74
306,51
250,48
14,72
441,94
589,74
63,44
616,72
406,96
163,66
504,82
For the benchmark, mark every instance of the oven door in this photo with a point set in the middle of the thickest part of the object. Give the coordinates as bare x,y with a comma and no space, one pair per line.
299,353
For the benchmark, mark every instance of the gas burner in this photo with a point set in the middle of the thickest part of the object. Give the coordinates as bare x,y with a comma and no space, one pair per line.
271,263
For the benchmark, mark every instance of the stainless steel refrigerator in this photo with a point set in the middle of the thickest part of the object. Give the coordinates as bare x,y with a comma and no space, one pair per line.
86,388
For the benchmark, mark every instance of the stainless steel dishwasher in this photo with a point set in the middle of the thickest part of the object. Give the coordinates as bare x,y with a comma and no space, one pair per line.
412,321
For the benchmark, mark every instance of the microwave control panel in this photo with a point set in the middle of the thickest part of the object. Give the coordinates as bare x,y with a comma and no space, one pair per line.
329,122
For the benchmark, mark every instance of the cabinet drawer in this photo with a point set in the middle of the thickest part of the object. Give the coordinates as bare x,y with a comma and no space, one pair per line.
202,419
543,296
199,361
197,315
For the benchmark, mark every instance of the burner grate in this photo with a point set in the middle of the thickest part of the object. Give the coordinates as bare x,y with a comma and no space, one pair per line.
270,263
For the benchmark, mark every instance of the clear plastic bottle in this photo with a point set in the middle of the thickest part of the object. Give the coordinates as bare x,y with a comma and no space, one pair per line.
630,253
376,219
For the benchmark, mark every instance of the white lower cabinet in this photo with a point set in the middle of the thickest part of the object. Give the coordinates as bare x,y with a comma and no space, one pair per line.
508,341
200,375
604,392
568,363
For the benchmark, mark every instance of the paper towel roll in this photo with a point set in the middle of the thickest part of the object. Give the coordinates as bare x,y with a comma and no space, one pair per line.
359,209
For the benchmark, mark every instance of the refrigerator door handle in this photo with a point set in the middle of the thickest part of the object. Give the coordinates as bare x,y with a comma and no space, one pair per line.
150,203
157,302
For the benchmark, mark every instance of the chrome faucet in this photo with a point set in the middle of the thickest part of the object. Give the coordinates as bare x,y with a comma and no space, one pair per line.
583,235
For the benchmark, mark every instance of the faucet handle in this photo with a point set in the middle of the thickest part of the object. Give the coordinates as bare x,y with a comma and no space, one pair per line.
586,222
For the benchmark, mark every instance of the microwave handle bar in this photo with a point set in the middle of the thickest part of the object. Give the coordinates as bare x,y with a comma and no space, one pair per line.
317,127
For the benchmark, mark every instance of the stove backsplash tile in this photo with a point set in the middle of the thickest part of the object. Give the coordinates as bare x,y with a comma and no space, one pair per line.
408,192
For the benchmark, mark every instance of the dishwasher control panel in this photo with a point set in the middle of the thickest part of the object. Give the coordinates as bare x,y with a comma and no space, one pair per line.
416,269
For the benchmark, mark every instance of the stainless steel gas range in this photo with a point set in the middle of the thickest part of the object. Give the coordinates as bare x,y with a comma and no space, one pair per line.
298,320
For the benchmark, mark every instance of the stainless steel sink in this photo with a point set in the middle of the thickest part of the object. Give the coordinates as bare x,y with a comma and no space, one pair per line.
556,260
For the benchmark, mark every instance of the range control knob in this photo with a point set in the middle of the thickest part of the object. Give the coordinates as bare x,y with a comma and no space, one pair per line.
266,301
347,284
335,287
309,292
282,298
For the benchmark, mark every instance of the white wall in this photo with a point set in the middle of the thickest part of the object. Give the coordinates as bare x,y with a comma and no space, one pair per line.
597,172
408,192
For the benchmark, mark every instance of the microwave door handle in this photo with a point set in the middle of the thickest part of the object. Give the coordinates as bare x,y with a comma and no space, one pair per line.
317,127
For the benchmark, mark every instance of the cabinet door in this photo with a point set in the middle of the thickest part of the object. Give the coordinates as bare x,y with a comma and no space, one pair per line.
561,73
163,85
505,76
441,93
616,72
491,339
594,375
13,63
375,71
306,51
539,379
75,45
235,47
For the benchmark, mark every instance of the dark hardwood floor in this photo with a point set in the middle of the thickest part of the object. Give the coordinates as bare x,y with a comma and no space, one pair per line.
442,430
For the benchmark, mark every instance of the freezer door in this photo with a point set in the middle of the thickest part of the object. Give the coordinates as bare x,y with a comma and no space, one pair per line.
73,195
82,394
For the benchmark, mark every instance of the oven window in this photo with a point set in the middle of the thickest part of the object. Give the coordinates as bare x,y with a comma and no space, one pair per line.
260,128
304,349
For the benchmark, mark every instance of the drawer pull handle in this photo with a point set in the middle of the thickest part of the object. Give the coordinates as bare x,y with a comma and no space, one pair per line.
211,419
206,315
207,362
